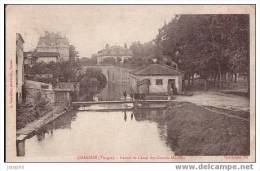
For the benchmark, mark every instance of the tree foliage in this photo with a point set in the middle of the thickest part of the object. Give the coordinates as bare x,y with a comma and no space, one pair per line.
109,60
73,53
91,83
209,45
144,53
65,71
84,61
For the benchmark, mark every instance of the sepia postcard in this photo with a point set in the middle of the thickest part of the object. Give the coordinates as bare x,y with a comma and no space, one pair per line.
130,83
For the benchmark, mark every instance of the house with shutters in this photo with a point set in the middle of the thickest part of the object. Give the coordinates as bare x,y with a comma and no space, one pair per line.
113,54
52,44
156,78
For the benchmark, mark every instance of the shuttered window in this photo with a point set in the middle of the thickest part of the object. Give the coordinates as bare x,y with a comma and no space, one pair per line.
159,82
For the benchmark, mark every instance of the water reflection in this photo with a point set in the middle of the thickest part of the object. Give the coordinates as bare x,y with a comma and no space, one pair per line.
111,92
155,115
63,122
107,132
131,115
137,132
125,116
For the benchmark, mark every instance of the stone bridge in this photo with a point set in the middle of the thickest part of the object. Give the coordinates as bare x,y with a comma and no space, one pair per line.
118,80
105,69
112,73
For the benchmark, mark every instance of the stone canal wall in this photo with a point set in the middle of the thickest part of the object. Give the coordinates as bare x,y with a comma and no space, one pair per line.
35,90
32,127
40,98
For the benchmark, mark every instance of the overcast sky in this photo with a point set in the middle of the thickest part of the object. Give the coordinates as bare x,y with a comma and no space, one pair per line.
89,28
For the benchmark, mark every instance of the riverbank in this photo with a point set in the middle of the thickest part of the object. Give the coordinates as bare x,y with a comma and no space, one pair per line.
217,99
27,113
35,125
195,130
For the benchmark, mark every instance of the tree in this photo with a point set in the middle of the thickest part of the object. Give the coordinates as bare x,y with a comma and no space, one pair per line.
209,45
68,71
109,60
65,71
73,54
87,61
144,53
137,49
91,83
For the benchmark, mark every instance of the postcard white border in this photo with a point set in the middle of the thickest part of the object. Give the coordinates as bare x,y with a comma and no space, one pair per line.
114,166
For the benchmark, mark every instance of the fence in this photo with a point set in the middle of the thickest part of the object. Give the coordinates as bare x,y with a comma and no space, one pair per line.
200,84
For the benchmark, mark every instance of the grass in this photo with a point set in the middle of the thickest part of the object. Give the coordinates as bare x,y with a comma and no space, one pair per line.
193,130
27,114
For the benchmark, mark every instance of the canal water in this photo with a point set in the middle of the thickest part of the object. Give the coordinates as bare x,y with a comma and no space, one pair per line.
114,133
80,134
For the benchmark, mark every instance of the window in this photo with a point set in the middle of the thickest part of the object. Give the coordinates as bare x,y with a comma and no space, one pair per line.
148,82
159,82
44,86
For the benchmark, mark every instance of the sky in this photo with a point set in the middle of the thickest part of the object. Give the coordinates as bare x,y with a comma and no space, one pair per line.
89,27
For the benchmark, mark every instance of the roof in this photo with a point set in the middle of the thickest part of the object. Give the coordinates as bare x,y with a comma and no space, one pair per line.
62,90
19,36
115,51
35,84
54,40
46,54
28,54
156,69
65,85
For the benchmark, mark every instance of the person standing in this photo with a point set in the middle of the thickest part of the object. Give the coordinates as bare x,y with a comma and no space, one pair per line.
132,96
124,93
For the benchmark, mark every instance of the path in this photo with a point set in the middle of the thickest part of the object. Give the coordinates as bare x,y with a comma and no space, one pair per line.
37,124
226,114
217,99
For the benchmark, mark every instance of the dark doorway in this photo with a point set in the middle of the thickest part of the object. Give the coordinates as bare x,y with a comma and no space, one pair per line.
171,85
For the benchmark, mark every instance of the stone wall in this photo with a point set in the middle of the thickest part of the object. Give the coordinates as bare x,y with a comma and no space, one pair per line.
35,90
72,86
63,97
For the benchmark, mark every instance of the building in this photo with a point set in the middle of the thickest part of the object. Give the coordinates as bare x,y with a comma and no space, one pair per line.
46,57
54,42
155,78
19,68
63,97
36,90
113,54
74,87
29,59
37,85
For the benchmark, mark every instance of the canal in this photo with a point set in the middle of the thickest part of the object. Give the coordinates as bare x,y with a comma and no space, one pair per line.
110,133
